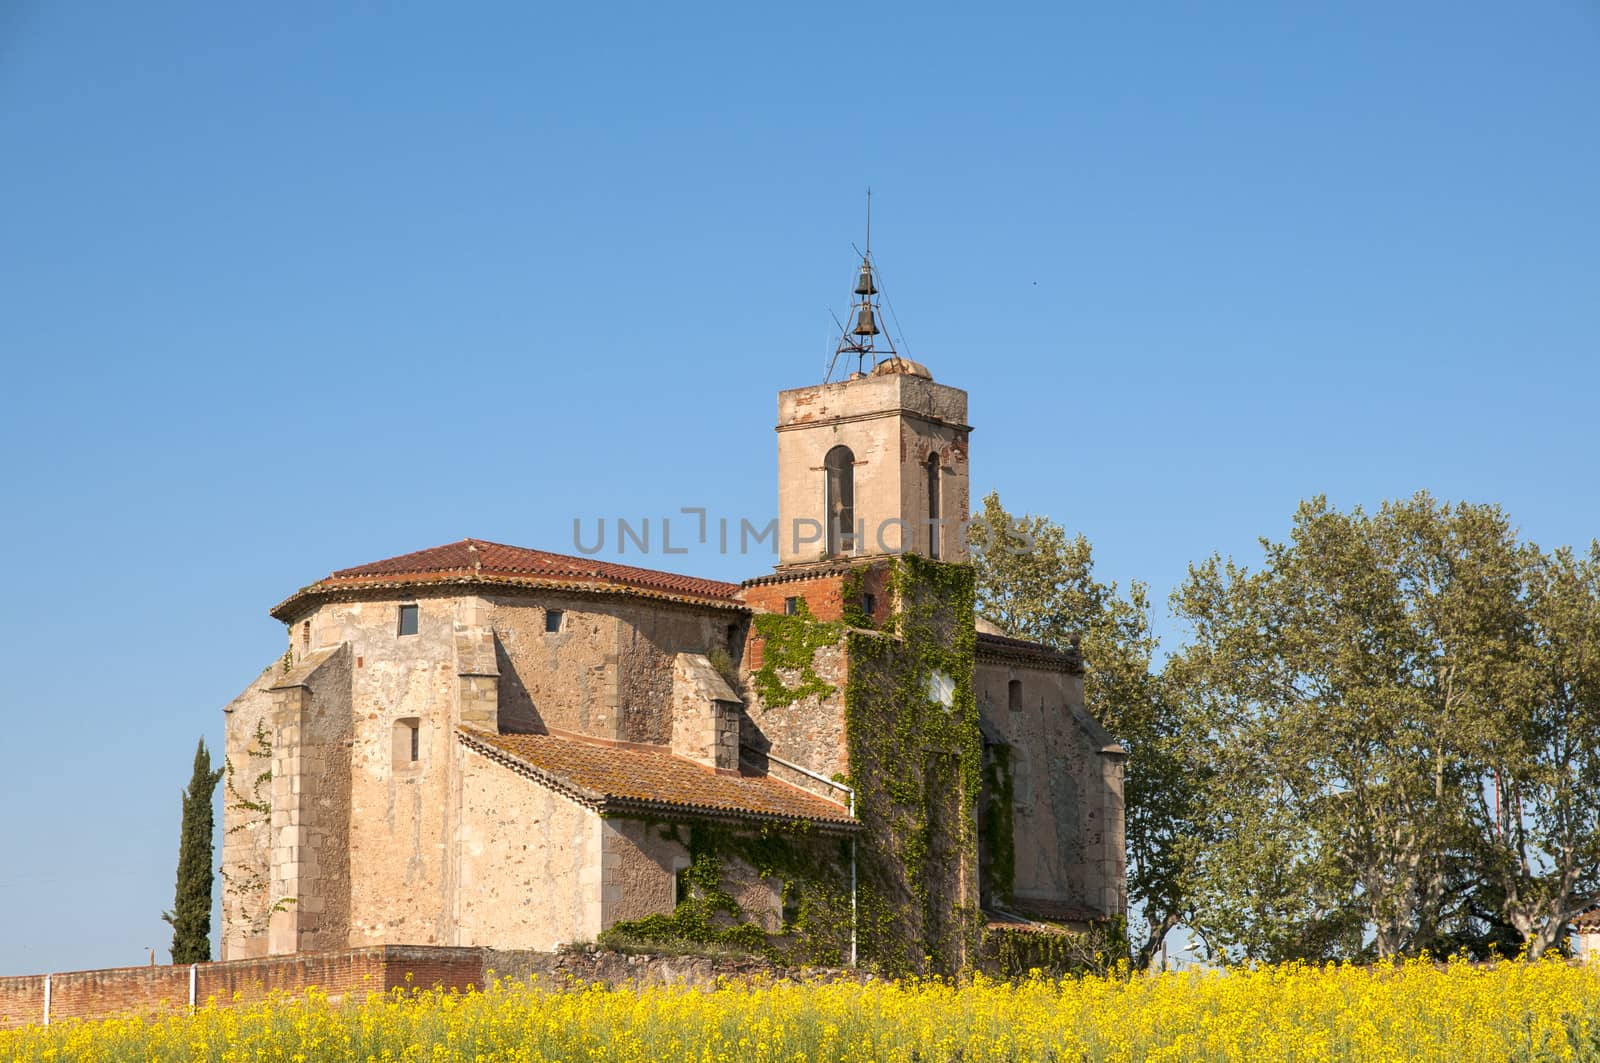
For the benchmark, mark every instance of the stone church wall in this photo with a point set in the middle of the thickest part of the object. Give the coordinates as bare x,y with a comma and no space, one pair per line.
246,834
1066,793
919,439
529,861
608,672
310,818
400,809
809,731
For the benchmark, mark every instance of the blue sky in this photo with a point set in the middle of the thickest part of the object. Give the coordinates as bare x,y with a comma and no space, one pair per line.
291,288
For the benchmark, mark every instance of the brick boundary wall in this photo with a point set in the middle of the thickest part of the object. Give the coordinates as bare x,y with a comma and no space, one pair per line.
119,990
379,968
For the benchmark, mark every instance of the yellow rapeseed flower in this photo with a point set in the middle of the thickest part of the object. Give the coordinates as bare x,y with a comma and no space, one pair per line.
1450,1013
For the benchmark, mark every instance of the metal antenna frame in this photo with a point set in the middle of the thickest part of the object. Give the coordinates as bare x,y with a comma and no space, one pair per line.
865,346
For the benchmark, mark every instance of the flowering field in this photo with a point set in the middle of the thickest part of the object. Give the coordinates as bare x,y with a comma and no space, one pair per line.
1416,1012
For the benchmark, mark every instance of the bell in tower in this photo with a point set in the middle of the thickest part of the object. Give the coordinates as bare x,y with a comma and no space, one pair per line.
874,464
866,325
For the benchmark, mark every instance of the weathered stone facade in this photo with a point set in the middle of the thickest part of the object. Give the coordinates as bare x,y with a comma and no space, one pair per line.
893,422
478,745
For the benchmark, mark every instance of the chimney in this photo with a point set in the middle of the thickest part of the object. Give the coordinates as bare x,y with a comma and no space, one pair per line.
705,714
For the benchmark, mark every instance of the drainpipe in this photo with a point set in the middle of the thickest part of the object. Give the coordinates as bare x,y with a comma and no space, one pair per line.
852,884
47,1000
836,784
193,967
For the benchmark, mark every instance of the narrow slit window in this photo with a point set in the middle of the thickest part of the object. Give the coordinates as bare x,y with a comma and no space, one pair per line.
305,635
408,620
791,903
869,604
1014,695
552,620
840,500
407,742
934,531
682,889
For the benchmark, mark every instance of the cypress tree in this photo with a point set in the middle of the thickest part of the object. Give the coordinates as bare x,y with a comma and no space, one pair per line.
191,907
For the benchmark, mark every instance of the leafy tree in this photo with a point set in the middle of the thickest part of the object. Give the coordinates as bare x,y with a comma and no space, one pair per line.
1538,810
1036,583
191,907
1341,698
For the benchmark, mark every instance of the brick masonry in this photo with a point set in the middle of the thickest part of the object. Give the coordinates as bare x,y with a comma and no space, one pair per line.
119,990
822,591
153,990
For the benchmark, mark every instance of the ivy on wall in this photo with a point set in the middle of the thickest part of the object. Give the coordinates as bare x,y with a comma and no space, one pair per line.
251,805
852,595
791,645
1099,950
810,872
996,826
916,764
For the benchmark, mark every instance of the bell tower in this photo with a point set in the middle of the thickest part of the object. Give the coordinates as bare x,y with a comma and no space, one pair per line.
876,463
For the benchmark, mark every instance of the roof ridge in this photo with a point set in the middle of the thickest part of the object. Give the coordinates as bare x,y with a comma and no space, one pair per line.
597,565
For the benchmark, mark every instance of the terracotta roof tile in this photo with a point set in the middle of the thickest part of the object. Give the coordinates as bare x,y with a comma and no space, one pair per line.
612,779
1003,647
1588,920
1000,919
477,559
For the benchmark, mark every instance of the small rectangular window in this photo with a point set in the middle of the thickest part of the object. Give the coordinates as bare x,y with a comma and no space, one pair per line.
407,741
305,635
1014,695
869,604
681,888
791,606
408,620
791,904
552,620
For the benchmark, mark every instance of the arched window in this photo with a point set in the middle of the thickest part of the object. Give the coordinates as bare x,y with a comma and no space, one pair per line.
935,532
840,500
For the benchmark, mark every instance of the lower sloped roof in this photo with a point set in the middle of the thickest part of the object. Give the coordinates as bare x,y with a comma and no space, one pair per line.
618,780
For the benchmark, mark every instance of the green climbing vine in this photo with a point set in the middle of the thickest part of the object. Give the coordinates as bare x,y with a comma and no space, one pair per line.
999,842
916,754
853,598
1014,953
256,801
791,645
251,803
808,871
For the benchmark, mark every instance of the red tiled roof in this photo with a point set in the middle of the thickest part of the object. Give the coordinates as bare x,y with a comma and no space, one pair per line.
1587,920
611,779
478,560
1003,647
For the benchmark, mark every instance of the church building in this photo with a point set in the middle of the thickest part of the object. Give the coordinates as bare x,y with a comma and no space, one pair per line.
836,761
